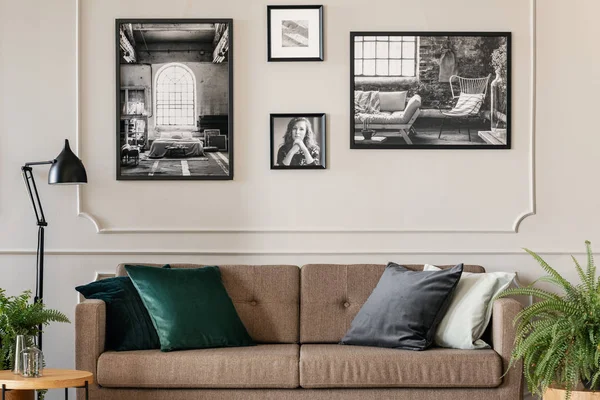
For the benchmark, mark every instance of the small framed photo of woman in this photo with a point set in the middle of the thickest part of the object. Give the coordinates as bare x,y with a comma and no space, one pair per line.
298,141
295,33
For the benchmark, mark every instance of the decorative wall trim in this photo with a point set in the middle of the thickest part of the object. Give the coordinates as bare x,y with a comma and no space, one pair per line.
239,252
292,231
515,227
533,106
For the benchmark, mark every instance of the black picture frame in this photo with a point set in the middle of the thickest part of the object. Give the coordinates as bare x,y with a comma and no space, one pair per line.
322,140
355,144
270,56
229,141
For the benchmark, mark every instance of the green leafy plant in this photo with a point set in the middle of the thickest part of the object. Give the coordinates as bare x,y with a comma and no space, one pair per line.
558,337
20,316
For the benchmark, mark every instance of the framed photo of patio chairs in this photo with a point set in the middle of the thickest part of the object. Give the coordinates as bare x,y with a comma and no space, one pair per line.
430,90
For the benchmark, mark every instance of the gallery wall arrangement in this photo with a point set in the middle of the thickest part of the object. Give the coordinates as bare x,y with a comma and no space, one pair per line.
174,98
408,90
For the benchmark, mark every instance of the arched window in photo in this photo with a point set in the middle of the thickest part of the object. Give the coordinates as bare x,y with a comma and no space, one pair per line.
175,95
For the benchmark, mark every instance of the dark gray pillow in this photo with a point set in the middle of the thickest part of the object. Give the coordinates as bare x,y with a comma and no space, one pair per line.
404,309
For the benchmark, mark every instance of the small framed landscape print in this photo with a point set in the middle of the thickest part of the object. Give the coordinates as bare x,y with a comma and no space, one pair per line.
295,33
298,141
430,90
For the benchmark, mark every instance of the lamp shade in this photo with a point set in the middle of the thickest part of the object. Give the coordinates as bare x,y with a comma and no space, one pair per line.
67,168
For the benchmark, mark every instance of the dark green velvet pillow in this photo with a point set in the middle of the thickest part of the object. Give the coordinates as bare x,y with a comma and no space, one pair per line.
189,307
128,324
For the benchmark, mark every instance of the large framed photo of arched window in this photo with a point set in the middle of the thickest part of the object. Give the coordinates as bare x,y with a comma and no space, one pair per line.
174,99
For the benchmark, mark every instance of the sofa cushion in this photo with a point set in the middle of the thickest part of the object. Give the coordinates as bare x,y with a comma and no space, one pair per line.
367,101
266,298
383,118
411,108
190,308
332,294
404,309
262,366
392,101
467,104
336,366
470,309
391,117
128,324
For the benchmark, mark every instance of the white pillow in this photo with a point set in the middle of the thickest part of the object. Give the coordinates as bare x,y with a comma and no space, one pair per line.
470,309
392,101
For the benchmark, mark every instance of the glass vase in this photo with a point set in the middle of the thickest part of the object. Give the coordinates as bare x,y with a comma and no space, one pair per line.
498,110
21,342
32,361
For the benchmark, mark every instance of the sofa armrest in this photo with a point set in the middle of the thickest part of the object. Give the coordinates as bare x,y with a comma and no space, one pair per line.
413,106
503,337
90,332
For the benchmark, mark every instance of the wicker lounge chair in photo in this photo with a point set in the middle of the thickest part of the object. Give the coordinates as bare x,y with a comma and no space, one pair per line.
470,99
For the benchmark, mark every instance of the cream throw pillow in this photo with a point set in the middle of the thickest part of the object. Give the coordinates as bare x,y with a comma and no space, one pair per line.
392,101
470,309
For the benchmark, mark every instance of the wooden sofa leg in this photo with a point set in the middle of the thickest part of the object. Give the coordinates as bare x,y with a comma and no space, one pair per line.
405,136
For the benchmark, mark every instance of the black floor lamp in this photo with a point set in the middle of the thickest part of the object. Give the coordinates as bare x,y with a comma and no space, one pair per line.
67,168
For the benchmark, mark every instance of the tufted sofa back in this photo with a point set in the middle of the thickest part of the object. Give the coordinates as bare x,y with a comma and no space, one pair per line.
331,295
287,304
266,298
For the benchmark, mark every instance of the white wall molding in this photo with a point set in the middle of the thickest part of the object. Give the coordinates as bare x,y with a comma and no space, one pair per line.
239,252
533,107
530,211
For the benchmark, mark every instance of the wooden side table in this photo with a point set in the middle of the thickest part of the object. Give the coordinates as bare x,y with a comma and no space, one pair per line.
51,379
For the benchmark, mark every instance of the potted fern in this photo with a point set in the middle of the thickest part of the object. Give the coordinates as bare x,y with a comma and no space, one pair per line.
20,316
558,337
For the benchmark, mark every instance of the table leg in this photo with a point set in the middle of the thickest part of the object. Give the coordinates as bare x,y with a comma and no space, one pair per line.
3,392
66,393
86,390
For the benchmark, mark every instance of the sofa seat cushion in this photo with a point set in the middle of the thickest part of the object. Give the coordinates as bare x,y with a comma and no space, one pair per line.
382,117
339,366
262,366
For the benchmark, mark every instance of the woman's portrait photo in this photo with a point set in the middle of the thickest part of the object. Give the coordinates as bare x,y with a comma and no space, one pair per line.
297,141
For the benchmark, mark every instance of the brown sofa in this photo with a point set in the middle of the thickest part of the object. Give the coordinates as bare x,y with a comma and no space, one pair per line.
298,315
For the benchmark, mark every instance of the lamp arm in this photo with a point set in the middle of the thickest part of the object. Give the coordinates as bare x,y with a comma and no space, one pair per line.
33,194
28,164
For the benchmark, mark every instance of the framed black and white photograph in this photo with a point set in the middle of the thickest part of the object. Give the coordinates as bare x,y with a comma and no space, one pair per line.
430,90
174,99
298,141
295,33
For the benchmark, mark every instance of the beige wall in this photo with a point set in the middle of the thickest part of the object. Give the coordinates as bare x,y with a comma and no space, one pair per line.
368,206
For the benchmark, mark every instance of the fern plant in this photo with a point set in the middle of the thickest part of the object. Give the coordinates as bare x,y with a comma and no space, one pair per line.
20,316
558,337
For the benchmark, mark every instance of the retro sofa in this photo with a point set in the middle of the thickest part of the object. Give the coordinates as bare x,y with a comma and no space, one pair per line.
386,111
298,316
